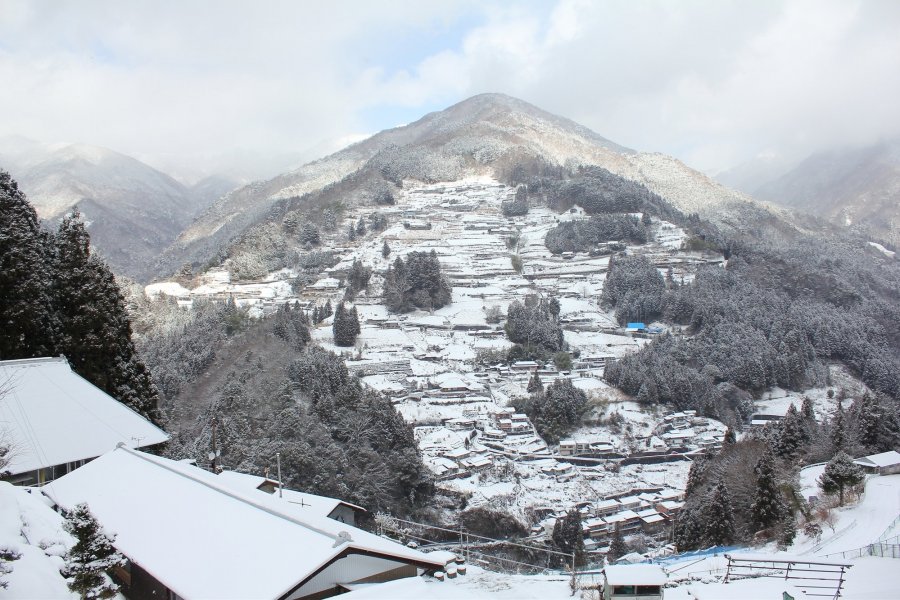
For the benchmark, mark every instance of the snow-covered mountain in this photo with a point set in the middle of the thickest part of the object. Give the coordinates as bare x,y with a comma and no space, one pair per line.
133,211
851,187
480,136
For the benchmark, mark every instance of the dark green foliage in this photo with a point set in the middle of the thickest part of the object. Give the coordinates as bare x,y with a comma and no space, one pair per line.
385,197
28,318
697,474
361,227
617,546
95,331
769,507
719,528
345,326
535,384
876,424
358,278
534,324
838,433
377,222
751,485
291,324
562,361
518,206
791,435
177,357
556,411
385,250
635,288
309,235
491,523
334,437
568,536
840,473
92,555
416,283
584,235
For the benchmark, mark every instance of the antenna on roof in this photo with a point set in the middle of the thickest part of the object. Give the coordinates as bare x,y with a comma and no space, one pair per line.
280,485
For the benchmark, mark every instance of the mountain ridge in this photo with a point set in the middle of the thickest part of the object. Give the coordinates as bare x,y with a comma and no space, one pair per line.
478,136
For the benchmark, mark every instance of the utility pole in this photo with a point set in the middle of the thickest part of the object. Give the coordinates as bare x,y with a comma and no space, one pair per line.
280,484
214,453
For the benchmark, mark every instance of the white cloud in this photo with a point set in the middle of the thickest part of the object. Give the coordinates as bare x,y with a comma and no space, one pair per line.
712,83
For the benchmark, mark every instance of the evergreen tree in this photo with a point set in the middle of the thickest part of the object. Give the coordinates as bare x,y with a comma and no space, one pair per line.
617,547
791,435
535,384
95,329
688,530
327,310
361,227
838,432
839,474
345,326
876,423
719,517
568,535
28,323
768,506
696,475
351,233
385,250
92,555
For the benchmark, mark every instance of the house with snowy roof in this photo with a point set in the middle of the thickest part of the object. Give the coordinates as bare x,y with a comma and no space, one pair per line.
54,421
187,534
884,463
633,581
304,503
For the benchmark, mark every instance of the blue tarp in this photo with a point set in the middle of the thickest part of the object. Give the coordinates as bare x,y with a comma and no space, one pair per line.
635,326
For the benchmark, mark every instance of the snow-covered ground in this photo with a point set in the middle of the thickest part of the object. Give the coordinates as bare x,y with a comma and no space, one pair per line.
30,528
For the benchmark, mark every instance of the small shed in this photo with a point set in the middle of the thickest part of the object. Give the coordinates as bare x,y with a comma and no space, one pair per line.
884,463
633,582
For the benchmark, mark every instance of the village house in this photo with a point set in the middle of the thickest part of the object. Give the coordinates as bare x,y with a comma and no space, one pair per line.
187,534
633,582
885,463
55,421
322,506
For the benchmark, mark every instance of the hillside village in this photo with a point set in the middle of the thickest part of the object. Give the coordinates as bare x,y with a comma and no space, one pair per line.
439,370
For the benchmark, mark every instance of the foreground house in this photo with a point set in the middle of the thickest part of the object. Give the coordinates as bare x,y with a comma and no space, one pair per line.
187,534
53,420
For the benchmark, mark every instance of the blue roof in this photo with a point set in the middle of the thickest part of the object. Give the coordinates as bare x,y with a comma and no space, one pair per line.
636,326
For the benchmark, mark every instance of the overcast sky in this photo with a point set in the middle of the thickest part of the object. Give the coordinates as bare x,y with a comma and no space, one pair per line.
187,83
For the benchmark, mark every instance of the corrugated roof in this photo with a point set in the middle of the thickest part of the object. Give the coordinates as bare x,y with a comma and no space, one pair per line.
51,416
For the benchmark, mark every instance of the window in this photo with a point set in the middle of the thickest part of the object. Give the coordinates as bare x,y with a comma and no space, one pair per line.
648,590
623,590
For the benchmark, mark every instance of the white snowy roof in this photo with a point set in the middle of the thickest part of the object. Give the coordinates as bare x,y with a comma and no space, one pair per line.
203,539
635,575
884,459
308,503
51,416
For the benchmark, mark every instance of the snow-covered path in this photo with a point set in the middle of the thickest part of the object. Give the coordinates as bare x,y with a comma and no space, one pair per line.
860,525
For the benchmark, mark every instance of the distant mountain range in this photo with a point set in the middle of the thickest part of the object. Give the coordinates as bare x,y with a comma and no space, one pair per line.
480,136
147,224
132,210
857,188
